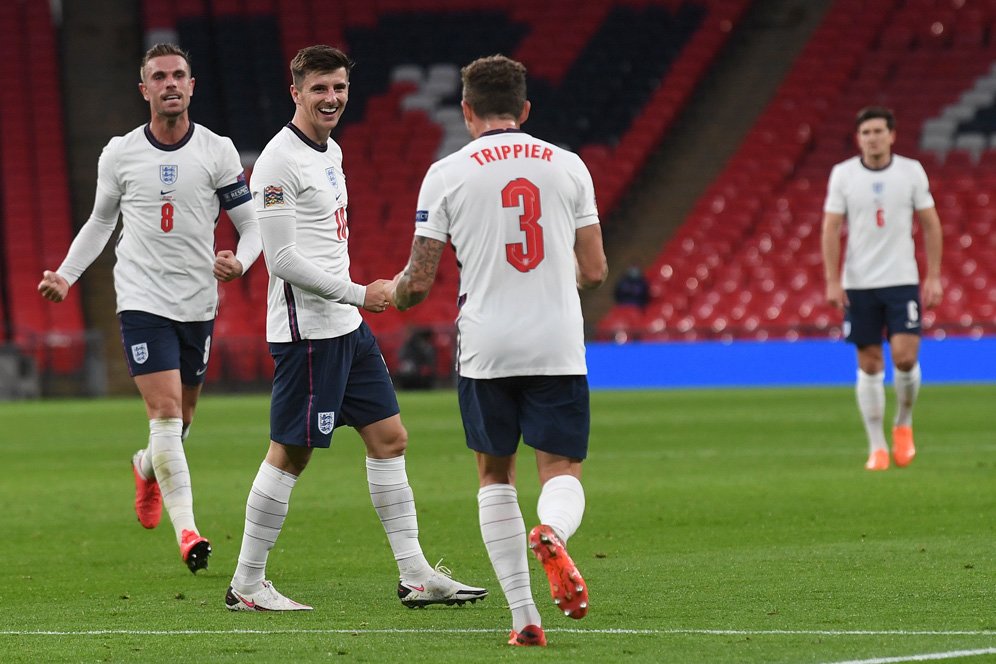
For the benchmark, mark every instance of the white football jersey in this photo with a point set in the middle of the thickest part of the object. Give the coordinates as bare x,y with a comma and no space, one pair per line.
170,198
296,176
511,205
878,205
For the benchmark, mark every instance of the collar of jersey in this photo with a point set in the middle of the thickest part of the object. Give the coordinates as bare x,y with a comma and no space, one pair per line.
319,147
892,158
168,148
495,132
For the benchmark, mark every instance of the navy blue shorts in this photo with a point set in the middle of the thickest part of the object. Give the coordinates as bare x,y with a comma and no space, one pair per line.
549,413
153,343
321,384
894,310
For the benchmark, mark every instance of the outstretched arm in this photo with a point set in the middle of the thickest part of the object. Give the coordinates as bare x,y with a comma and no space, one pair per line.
87,245
412,284
280,248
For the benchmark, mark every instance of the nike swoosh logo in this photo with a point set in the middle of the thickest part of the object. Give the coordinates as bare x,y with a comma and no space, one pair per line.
168,191
421,588
200,372
249,603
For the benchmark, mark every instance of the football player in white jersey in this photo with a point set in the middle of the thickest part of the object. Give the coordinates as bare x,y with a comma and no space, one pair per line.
877,193
328,369
169,180
521,215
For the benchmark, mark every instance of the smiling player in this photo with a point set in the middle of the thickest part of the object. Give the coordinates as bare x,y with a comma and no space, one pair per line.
328,369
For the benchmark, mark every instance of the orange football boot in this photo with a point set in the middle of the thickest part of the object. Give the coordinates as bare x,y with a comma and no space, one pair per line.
878,460
902,445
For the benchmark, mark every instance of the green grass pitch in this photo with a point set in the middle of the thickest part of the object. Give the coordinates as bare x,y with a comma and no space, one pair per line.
722,526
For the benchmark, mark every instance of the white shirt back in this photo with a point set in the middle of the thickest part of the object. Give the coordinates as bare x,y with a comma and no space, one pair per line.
170,202
878,205
511,205
295,176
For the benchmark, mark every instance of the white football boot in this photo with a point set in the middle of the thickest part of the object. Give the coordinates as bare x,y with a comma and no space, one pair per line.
439,588
266,598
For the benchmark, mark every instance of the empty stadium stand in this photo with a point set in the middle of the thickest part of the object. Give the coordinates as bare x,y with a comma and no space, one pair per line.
35,223
607,78
746,263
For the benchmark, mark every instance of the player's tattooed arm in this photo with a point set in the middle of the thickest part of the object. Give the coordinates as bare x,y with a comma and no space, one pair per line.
412,284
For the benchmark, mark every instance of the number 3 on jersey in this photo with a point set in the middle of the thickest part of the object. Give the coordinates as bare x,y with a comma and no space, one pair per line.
526,255
166,221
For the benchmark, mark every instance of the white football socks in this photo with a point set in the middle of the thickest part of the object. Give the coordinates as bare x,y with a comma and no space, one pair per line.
394,501
172,473
907,384
870,391
145,459
266,510
504,534
561,505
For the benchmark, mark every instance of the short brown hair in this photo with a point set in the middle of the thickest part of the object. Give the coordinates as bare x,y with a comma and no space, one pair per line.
495,86
159,50
319,58
876,113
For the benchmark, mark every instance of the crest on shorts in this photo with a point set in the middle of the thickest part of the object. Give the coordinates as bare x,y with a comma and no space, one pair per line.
326,421
168,173
272,196
140,352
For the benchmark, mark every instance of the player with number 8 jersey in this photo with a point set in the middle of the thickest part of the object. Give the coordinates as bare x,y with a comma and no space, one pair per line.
168,180
170,197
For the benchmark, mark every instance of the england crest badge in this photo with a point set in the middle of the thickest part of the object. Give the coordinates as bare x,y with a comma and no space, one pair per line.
168,173
140,352
326,421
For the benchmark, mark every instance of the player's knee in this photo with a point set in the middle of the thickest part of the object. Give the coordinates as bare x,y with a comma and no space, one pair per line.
906,362
392,445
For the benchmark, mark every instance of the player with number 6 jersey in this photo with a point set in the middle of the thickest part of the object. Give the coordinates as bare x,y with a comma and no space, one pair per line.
878,192
168,180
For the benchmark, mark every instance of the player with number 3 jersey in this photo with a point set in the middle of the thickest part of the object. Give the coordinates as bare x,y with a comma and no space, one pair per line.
521,215
511,204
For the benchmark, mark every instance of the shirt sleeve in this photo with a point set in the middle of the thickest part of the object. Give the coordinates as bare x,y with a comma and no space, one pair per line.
431,215
835,202
586,207
99,227
922,198
280,248
250,242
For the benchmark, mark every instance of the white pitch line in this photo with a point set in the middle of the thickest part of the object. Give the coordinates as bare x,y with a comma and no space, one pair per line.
952,654
635,632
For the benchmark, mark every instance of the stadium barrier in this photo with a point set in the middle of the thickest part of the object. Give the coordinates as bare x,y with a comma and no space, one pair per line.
806,362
